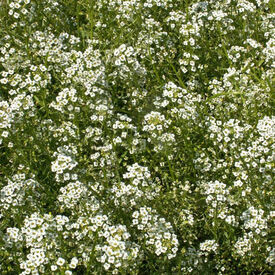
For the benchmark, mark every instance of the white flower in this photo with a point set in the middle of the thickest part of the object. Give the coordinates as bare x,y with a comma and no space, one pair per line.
60,261
106,266
53,267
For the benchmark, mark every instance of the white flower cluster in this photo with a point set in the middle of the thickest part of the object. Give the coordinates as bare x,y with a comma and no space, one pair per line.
64,162
254,220
244,244
117,250
64,131
139,175
71,194
266,127
6,118
216,192
271,257
139,187
155,122
137,137
64,98
182,104
126,62
39,235
122,126
15,192
84,68
156,232
96,235
208,246
18,9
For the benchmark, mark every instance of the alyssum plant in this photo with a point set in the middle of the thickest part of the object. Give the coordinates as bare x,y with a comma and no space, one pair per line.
137,137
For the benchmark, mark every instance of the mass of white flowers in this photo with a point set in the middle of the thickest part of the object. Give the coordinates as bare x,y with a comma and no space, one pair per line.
137,137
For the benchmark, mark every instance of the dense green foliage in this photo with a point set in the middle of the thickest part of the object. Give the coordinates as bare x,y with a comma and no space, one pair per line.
137,137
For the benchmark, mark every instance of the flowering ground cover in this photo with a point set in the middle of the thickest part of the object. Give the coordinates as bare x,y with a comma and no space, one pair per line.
137,137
